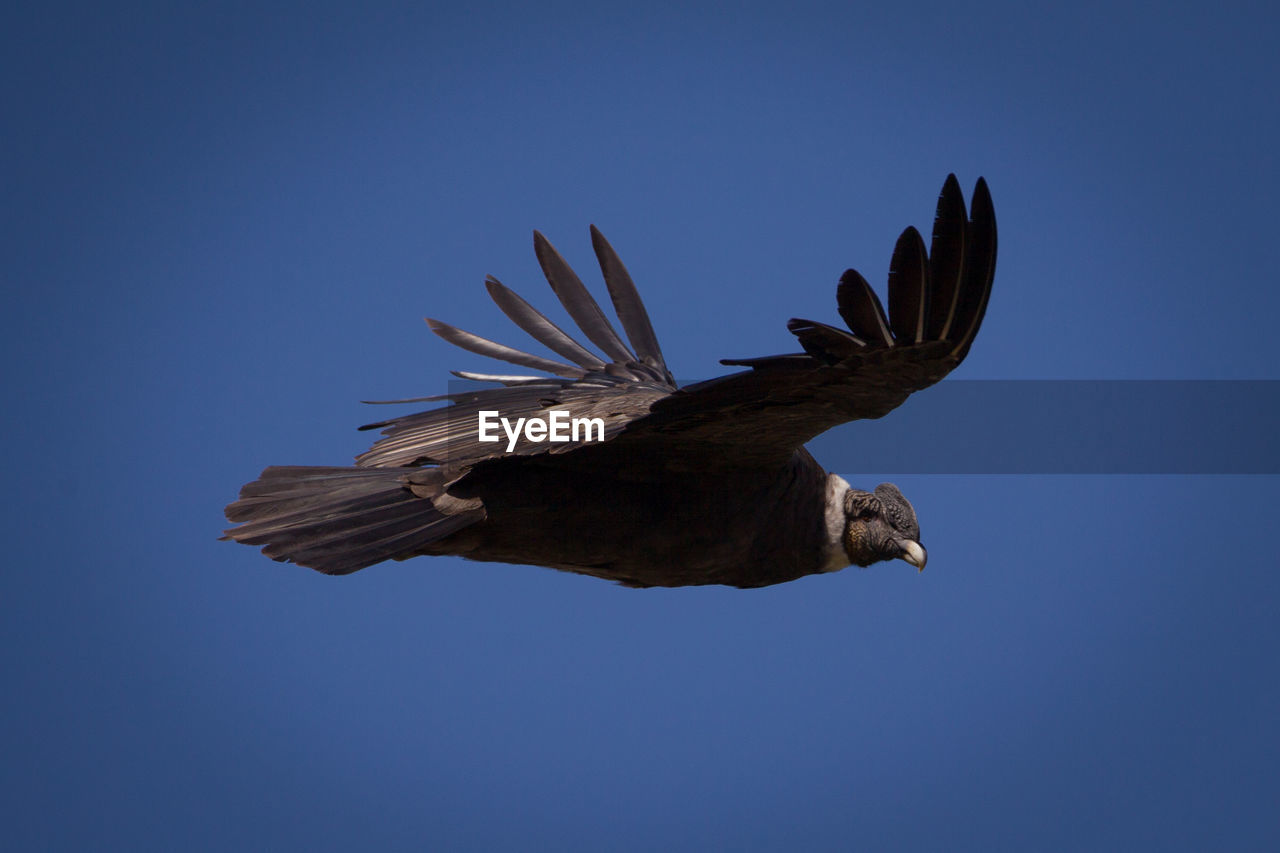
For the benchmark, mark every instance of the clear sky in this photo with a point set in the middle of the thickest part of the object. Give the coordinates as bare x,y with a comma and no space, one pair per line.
222,225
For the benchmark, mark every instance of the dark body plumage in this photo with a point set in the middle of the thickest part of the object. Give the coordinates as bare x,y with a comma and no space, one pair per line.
706,484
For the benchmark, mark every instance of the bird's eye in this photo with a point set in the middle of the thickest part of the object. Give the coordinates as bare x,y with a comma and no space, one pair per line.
866,512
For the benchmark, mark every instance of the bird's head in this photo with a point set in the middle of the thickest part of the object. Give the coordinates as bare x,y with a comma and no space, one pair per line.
881,525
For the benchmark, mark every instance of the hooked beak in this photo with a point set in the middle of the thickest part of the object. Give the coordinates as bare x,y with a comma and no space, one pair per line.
913,553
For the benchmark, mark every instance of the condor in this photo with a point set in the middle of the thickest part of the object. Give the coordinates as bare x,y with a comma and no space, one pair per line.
708,483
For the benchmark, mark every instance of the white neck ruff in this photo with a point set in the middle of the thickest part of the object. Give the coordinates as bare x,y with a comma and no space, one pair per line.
833,556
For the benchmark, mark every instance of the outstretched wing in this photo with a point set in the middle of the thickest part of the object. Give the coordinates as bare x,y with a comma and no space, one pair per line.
937,299
617,388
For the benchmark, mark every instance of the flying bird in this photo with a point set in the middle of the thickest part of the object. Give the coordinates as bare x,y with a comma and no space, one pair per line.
650,484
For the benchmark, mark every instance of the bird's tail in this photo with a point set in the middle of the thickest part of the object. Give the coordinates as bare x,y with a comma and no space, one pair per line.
340,520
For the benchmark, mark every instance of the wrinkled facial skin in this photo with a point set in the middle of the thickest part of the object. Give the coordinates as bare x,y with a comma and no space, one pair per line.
881,525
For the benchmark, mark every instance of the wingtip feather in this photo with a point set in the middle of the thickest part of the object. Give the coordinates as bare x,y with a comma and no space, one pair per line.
577,300
909,288
861,310
628,305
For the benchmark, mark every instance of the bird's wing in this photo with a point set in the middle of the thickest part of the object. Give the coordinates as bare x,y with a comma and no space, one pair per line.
617,388
937,299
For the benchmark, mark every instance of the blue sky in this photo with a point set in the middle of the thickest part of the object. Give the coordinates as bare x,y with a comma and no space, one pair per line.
223,225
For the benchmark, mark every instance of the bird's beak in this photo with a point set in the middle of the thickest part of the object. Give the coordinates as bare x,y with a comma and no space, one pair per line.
913,553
